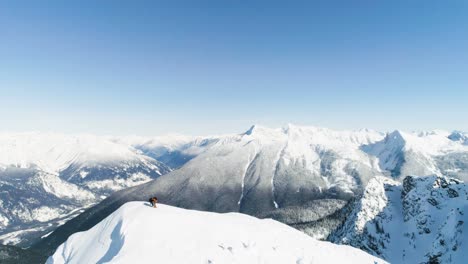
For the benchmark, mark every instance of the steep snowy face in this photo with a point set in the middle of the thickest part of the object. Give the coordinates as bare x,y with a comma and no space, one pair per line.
318,162
422,220
46,178
137,233
436,152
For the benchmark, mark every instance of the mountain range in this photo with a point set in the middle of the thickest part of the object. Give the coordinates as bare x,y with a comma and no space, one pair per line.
314,179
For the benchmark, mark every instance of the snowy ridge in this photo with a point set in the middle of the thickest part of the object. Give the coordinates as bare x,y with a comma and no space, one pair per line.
54,152
138,233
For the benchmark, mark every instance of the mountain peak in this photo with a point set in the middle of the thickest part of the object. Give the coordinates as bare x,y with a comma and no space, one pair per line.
258,129
251,130
459,136
396,135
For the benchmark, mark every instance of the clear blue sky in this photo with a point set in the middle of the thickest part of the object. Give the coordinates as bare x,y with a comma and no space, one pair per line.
207,67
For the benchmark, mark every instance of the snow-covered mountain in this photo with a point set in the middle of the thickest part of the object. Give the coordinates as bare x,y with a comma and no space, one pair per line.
422,220
138,233
302,176
173,150
263,168
459,136
46,179
424,153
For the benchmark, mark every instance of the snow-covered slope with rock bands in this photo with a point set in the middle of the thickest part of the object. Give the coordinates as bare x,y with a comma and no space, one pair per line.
423,220
137,233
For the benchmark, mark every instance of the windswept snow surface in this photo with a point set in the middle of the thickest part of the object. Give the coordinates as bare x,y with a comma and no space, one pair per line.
138,233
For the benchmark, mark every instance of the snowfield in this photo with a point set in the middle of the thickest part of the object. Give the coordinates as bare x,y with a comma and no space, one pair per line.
138,233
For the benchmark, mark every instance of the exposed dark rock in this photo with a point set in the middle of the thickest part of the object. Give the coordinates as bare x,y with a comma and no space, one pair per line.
452,193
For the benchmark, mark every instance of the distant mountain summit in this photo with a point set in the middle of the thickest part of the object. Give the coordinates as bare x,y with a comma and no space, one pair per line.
459,136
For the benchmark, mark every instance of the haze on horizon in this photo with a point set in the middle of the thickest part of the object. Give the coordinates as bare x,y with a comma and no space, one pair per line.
149,68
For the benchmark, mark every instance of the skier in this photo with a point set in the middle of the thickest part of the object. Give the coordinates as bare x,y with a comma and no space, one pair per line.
153,201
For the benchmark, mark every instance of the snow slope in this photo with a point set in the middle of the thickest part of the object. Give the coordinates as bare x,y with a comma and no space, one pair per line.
138,233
